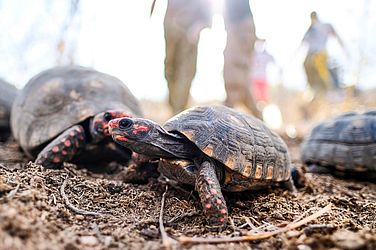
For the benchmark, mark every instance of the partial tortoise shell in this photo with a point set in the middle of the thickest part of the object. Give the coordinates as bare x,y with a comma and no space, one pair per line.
249,150
347,143
8,93
61,97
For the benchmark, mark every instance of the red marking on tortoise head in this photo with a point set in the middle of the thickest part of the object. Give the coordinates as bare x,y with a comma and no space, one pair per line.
139,128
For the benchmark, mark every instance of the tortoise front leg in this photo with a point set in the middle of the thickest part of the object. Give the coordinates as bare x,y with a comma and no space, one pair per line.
209,190
63,148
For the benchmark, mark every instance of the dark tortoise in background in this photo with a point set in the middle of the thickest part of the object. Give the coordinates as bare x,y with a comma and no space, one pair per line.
211,148
65,110
344,146
8,93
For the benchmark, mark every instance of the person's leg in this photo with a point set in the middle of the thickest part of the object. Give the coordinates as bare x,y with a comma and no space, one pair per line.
186,60
321,65
250,102
232,94
237,54
171,39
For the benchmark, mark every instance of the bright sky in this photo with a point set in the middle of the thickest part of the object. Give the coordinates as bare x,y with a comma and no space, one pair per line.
118,37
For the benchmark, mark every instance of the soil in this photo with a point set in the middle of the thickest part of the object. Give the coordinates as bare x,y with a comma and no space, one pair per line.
98,210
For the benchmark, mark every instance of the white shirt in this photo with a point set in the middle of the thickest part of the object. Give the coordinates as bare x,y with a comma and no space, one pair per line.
317,36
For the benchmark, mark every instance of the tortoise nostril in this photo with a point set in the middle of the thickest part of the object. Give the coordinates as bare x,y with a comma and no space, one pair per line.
125,123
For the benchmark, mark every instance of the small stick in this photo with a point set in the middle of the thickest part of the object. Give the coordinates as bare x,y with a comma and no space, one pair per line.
259,236
255,221
4,167
53,199
13,192
166,240
249,222
71,206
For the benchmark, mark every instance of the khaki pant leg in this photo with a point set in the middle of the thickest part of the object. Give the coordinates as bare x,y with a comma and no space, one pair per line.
318,82
237,61
180,66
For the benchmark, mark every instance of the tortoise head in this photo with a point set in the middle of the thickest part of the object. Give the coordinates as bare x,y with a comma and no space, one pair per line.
99,124
142,136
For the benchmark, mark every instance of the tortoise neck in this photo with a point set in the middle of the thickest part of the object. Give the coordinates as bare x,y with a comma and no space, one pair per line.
177,145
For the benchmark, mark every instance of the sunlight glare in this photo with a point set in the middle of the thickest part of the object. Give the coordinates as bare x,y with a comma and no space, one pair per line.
272,116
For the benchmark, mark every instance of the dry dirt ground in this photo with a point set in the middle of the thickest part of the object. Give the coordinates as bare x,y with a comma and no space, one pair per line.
45,209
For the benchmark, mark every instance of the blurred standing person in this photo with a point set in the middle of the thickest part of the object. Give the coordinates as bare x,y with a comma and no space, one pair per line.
316,61
259,80
241,38
183,22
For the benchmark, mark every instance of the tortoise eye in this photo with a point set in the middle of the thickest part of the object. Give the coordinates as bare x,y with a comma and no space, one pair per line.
107,116
125,123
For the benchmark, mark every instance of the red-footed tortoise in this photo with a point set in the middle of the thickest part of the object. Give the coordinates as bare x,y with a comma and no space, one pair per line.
211,148
344,146
62,114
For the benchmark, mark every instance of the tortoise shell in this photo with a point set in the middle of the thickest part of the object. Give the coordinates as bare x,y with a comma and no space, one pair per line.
347,143
244,145
7,96
61,97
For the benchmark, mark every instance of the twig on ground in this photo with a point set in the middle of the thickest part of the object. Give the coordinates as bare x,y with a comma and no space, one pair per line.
232,225
4,167
255,221
13,192
247,222
257,236
304,214
167,241
71,206
53,199
235,230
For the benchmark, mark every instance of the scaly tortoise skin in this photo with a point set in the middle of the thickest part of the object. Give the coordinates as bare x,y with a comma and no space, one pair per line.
345,145
65,110
211,148
8,93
